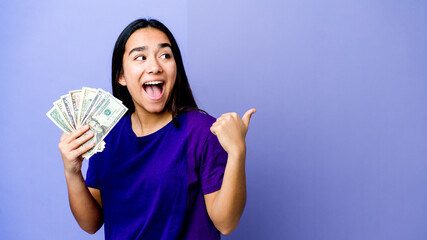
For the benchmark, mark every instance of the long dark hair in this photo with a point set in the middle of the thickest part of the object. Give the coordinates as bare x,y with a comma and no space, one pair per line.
181,99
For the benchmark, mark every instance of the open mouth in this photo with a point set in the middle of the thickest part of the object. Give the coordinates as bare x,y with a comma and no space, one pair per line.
154,89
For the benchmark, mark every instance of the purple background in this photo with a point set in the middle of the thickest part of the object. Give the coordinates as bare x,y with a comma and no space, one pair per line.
337,149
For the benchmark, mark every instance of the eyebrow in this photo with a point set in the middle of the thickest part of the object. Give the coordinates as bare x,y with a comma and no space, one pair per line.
143,48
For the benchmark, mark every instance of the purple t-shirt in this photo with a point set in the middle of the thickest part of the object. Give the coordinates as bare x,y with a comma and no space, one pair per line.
152,187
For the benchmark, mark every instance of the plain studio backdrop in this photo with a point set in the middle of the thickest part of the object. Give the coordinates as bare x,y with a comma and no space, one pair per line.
336,150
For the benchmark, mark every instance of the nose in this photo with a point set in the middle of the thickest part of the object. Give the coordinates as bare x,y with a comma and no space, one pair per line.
153,66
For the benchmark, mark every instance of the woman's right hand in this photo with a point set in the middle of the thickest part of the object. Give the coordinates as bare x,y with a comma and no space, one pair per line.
71,149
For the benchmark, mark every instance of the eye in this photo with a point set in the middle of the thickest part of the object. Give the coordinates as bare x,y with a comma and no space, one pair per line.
166,56
140,58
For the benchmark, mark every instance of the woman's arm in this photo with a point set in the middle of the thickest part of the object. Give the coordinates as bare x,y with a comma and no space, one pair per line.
85,203
225,206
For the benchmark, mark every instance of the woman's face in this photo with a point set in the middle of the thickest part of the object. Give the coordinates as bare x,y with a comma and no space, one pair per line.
149,69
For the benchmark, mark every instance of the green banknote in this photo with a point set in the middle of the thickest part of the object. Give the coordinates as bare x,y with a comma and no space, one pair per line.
94,107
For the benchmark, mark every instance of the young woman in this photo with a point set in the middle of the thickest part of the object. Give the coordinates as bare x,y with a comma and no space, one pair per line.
169,171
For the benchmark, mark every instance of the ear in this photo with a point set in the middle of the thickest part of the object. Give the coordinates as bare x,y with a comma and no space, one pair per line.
122,80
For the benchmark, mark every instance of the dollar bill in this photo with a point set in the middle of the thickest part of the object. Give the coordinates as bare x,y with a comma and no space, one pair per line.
93,102
59,104
94,107
101,146
54,115
104,117
76,96
88,94
66,99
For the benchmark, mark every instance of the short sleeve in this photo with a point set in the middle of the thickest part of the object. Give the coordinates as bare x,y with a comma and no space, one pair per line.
92,179
213,162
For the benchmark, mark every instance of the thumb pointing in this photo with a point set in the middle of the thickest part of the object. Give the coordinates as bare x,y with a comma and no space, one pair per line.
247,116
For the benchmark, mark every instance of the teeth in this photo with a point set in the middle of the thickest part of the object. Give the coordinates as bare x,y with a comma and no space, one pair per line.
153,83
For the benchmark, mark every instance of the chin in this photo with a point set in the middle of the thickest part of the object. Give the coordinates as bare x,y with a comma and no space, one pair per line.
155,109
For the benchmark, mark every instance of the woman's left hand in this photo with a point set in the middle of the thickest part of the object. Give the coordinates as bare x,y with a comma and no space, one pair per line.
231,131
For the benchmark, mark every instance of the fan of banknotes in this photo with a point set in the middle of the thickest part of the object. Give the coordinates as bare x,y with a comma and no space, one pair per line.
88,106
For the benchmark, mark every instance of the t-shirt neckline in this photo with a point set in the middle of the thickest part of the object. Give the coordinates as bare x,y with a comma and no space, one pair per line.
129,129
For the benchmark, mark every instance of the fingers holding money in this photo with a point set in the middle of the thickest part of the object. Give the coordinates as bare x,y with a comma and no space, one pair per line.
72,147
81,140
63,136
84,148
75,139
96,107
75,134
